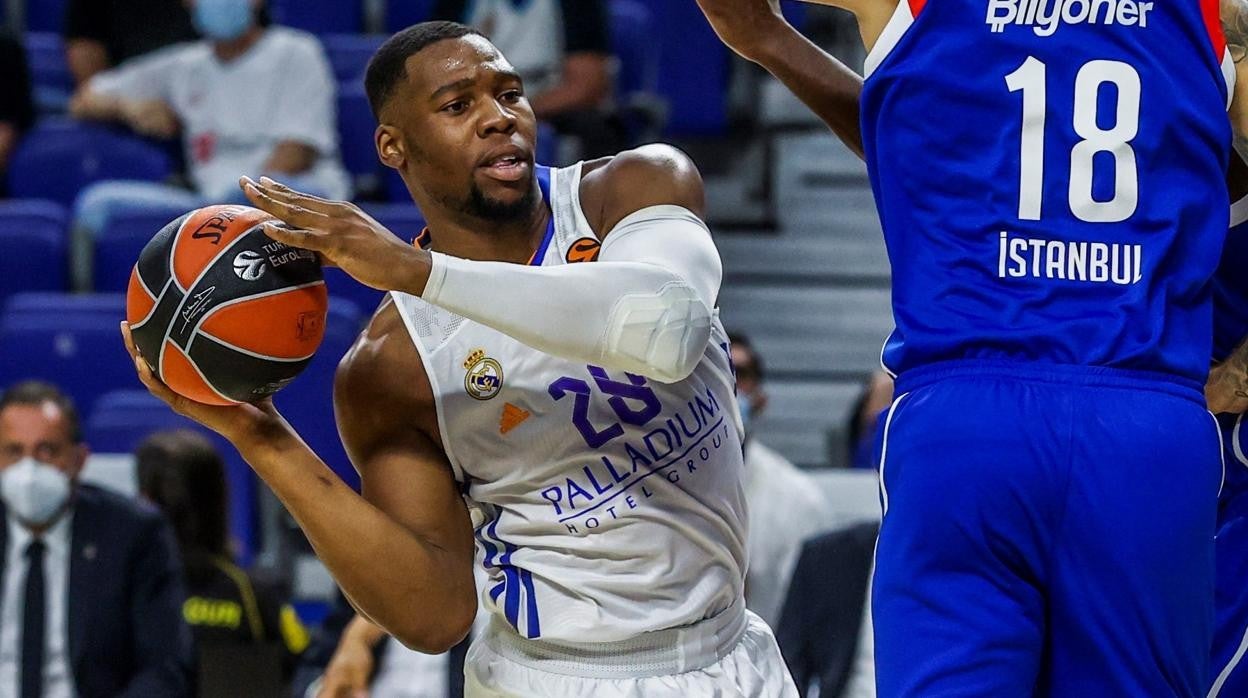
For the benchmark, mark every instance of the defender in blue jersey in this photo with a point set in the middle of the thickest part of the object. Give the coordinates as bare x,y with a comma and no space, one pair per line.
1050,175
1227,392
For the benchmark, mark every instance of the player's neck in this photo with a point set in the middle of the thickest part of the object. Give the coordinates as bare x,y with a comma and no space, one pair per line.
469,237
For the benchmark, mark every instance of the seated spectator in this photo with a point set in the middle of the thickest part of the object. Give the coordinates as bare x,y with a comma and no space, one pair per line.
562,49
824,631
351,657
864,435
247,100
92,584
181,473
17,106
100,34
785,504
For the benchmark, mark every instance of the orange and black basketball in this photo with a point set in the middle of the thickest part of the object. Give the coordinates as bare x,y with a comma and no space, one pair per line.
221,312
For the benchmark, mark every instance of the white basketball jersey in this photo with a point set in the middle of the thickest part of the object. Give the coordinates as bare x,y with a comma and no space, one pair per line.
605,504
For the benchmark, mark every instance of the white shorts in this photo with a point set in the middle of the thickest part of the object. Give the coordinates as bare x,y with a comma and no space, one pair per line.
718,658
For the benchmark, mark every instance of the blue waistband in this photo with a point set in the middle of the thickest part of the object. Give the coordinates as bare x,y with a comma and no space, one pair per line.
1061,374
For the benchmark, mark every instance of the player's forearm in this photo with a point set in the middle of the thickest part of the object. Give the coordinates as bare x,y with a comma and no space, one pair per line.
1234,15
828,87
1227,389
385,569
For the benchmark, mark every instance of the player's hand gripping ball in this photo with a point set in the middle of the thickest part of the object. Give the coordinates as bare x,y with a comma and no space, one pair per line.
222,313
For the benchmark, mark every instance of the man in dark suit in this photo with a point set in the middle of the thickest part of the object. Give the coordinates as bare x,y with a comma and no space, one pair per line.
822,622
90,584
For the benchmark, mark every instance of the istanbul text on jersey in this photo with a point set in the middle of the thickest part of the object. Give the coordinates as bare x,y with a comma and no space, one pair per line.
1093,262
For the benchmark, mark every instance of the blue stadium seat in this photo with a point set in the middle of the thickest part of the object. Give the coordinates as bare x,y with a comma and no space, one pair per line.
349,54
694,70
33,247
45,15
122,419
355,131
308,402
401,14
118,245
640,107
49,72
72,341
632,42
319,16
60,156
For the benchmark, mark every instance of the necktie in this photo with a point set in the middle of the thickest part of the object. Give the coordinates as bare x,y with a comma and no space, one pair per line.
33,624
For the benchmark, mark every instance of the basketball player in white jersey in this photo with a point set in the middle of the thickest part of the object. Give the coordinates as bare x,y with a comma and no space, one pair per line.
550,378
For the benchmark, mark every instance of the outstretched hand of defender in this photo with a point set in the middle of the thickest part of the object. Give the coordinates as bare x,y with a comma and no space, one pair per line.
743,24
342,234
237,423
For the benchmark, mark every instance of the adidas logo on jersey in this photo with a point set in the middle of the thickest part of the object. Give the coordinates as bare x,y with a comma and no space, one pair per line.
1045,16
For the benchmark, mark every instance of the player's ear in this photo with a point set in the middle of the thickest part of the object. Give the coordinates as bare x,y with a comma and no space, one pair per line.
390,148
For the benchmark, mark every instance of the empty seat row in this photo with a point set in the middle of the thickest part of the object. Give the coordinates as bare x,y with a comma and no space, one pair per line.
35,250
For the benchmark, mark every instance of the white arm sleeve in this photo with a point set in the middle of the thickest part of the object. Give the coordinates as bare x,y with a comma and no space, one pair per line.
645,307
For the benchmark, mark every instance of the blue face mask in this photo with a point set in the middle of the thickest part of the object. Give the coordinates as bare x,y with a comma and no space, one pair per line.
222,19
743,404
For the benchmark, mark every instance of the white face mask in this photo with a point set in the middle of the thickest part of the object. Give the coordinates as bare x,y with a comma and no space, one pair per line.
34,491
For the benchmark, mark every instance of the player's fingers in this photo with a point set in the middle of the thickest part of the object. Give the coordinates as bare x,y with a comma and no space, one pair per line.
281,192
128,339
290,212
144,370
295,237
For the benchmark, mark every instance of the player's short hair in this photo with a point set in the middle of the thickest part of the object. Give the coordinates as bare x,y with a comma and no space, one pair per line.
34,393
388,66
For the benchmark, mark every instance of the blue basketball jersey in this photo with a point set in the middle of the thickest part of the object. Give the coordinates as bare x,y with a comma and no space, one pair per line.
1050,177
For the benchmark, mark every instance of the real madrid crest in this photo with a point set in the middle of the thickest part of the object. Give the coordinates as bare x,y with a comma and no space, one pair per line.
484,377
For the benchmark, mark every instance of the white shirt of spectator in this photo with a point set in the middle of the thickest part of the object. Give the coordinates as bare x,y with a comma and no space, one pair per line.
57,679
529,34
233,114
786,507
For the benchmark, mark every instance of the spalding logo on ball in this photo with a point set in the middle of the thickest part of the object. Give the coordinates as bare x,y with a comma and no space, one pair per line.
223,313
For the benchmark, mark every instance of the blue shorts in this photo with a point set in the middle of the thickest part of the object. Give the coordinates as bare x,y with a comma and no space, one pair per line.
1048,531
1230,636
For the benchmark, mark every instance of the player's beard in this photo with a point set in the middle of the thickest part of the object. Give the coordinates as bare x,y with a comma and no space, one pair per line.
485,208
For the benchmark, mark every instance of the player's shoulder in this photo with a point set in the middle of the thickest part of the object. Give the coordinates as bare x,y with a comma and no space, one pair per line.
651,175
383,374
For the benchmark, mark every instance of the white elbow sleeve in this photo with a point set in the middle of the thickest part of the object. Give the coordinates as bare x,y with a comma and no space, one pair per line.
664,332
645,307
661,335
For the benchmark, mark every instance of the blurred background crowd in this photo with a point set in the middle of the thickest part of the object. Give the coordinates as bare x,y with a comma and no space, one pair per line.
183,575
